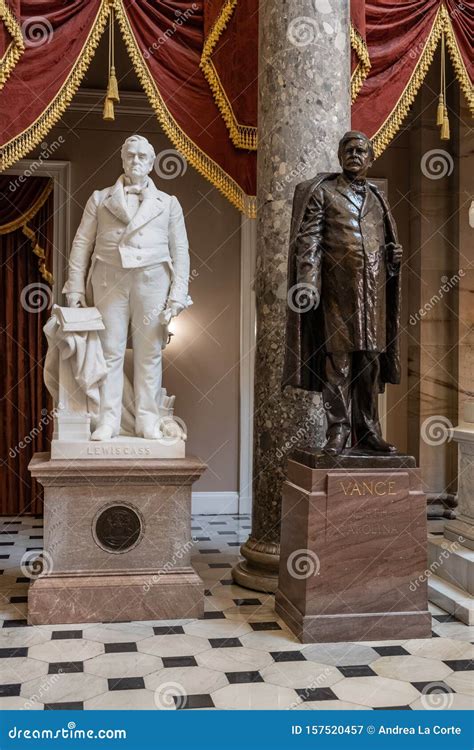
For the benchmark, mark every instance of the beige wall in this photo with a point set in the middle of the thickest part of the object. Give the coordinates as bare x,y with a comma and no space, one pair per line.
202,362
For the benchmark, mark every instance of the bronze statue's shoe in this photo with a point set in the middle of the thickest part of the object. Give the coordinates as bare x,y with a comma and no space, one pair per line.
336,443
374,442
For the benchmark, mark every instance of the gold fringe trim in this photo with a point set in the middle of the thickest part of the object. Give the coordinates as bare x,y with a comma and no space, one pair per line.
16,47
392,124
22,222
462,75
363,65
191,152
242,136
24,142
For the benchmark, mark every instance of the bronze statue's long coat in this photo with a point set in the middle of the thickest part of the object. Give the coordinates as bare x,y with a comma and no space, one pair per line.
339,249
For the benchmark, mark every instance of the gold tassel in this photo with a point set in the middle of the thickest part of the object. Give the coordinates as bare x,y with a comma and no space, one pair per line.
445,134
112,86
440,111
112,89
108,113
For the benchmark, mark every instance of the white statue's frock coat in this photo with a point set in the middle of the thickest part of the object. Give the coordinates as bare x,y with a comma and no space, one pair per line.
129,256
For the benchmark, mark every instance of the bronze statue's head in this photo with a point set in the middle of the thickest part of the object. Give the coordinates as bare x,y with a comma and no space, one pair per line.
356,154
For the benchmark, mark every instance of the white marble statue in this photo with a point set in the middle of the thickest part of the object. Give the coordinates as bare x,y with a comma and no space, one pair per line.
130,260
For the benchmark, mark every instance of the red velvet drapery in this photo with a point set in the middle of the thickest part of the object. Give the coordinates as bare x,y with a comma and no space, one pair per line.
25,300
197,61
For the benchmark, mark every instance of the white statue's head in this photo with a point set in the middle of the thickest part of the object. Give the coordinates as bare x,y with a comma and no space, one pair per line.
138,157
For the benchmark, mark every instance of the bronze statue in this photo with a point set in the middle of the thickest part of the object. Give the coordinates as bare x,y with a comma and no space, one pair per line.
344,297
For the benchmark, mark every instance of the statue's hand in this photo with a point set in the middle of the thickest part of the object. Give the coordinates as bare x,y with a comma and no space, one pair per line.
75,299
175,308
395,252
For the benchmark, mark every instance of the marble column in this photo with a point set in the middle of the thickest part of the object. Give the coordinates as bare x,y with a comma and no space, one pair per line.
304,108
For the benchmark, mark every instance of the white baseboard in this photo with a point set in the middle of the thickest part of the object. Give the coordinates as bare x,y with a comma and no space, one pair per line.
215,503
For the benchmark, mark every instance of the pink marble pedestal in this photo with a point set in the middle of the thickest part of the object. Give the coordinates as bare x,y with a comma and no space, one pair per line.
117,541
353,549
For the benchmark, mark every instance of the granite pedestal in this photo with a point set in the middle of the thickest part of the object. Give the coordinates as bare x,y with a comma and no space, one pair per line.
117,541
353,548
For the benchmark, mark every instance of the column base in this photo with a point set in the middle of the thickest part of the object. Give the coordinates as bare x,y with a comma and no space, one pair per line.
60,599
259,570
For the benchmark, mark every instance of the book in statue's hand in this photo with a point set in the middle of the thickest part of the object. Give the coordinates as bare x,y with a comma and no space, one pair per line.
79,318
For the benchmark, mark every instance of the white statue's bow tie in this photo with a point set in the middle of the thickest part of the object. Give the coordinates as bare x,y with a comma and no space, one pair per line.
134,190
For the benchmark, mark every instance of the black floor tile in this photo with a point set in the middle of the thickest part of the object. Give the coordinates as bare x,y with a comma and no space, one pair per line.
236,678
436,687
169,630
287,656
193,701
202,538
445,618
316,694
209,551
224,642
391,650
15,623
226,582
9,653
126,683
7,544
244,602
18,599
63,635
219,565
63,667
74,706
359,670
227,533
23,579
234,544
119,648
179,661
460,665
264,626
4,557
214,615
392,708
217,523
6,691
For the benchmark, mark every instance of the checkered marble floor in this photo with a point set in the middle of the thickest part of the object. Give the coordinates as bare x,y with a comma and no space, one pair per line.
240,656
